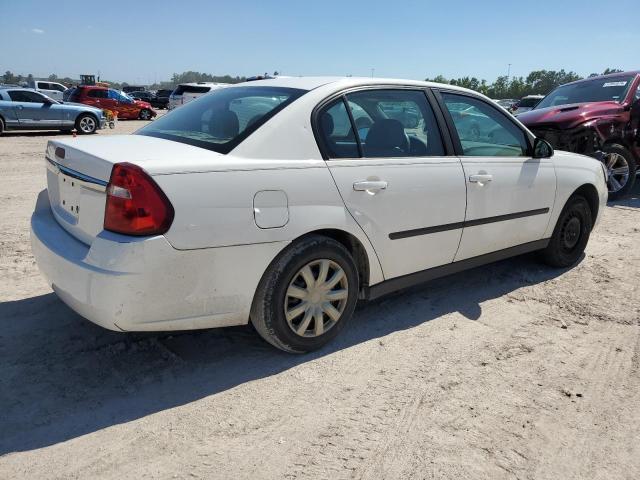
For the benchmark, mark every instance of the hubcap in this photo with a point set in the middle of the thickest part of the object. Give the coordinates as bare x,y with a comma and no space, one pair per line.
571,233
618,170
87,124
316,298
145,115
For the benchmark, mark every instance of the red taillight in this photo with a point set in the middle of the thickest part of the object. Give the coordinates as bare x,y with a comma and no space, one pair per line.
135,203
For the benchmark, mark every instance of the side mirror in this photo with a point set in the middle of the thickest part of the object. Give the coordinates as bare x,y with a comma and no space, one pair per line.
48,101
542,149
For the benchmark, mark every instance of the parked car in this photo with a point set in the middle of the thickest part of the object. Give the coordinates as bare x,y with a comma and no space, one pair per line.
162,97
525,104
506,103
186,92
150,97
50,89
598,116
261,202
110,99
26,109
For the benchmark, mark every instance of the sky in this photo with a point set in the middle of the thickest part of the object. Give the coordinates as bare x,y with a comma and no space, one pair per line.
146,41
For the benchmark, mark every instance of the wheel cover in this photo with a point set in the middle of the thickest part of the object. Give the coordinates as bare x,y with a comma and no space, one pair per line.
145,114
571,232
316,298
87,124
618,170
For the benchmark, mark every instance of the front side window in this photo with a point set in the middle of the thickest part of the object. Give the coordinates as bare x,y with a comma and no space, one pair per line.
26,96
483,130
97,93
223,119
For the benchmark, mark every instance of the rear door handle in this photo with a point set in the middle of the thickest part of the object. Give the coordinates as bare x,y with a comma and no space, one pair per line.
480,178
370,185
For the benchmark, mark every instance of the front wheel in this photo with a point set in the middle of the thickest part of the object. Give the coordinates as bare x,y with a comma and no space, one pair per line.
571,234
144,114
86,124
306,296
621,169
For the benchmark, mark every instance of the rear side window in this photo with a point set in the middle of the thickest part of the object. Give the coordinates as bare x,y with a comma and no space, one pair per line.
335,128
387,123
221,120
483,130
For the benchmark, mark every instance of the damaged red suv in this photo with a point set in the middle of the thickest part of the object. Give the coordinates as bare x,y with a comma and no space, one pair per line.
110,99
598,116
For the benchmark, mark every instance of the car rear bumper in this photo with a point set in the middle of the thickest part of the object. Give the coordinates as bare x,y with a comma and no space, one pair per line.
144,284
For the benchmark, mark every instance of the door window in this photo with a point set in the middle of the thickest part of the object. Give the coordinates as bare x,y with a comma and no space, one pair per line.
395,123
483,130
96,93
44,86
335,128
26,96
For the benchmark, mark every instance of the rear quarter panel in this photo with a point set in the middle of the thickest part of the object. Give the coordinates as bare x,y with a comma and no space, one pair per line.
216,209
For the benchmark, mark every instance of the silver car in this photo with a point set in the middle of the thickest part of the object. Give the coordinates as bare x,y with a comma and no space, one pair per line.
26,109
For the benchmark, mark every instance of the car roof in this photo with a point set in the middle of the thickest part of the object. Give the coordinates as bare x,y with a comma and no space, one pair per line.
206,84
311,83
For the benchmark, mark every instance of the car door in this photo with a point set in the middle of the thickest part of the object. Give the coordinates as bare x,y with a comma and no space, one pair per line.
33,110
395,176
510,195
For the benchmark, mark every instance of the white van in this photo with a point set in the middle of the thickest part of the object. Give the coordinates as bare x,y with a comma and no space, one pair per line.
185,92
50,89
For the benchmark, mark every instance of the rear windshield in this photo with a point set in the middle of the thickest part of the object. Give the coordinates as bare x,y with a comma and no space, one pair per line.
221,120
180,89
596,90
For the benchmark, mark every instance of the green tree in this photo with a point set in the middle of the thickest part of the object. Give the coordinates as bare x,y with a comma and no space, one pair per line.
9,77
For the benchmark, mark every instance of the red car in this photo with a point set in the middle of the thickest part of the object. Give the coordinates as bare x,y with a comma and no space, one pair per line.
597,116
110,99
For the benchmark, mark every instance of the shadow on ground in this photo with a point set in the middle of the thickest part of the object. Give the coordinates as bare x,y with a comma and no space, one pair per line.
62,377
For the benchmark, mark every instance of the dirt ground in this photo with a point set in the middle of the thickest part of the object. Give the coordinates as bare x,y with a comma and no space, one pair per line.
511,371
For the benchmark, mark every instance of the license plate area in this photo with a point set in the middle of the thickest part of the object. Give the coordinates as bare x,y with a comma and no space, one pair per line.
69,190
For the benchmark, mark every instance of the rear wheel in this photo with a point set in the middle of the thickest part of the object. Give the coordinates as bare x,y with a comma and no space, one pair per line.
306,296
86,124
621,167
1,125
571,234
144,114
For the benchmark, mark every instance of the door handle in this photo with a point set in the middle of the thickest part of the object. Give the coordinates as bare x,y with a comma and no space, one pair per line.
19,107
480,178
370,185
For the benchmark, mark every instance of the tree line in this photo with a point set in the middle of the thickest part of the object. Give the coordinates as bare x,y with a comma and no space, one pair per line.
538,82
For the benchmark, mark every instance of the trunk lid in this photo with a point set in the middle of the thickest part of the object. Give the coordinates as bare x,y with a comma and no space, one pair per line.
78,171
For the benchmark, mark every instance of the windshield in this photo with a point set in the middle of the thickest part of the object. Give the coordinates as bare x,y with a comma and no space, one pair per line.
597,90
529,102
222,119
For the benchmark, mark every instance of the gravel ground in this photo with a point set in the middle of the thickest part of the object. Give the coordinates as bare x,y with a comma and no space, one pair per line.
509,371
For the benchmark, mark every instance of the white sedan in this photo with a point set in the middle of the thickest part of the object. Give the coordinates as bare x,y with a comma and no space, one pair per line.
282,202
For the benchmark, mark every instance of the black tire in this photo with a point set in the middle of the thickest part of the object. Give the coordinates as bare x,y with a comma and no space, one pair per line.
571,234
1,126
631,162
268,309
145,114
86,124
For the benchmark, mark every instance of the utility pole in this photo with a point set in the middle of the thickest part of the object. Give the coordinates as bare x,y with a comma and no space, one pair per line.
372,71
508,72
